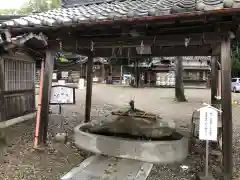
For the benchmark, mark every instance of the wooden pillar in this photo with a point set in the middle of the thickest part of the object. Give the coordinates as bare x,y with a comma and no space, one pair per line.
88,102
214,79
226,106
103,72
85,70
138,74
121,74
81,71
2,101
46,91
179,88
219,83
135,72
2,83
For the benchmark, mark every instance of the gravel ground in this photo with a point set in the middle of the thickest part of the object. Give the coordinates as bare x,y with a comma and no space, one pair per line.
20,162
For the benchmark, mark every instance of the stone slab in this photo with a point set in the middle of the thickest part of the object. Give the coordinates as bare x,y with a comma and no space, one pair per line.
109,168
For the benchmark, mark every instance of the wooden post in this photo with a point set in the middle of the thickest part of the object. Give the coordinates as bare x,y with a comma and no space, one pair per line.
226,106
121,74
2,83
46,91
138,74
2,101
214,79
135,72
103,72
81,71
88,103
85,70
179,88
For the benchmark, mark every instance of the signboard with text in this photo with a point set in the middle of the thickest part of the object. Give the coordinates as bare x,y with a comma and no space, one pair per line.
61,94
208,124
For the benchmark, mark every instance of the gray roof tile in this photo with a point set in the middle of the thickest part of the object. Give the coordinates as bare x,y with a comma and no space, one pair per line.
117,10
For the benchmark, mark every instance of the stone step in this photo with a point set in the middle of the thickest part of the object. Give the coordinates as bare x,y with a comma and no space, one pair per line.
109,168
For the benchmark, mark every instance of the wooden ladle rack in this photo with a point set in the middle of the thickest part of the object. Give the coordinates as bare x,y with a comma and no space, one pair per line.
133,112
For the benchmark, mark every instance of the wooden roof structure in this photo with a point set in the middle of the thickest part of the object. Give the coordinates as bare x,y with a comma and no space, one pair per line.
116,28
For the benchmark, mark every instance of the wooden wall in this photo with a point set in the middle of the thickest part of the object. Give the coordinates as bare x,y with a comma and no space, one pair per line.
19,88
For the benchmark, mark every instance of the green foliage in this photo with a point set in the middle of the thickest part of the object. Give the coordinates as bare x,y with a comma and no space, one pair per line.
33,6
8,11
40,5
235,58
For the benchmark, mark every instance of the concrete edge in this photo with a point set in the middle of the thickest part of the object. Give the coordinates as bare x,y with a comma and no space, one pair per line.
156,152
17,120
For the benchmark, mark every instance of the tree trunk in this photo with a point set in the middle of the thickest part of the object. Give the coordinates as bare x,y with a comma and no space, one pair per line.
179,89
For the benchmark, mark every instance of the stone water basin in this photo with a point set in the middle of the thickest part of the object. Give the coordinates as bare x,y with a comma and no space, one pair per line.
165,149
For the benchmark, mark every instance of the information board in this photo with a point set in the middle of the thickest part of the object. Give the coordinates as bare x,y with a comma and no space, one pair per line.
54,77
62,95
64,74
208,124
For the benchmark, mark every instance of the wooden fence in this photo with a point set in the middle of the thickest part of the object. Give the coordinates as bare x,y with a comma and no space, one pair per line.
19,87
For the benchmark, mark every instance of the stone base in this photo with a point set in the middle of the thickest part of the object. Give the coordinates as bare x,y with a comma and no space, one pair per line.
163,152
201,176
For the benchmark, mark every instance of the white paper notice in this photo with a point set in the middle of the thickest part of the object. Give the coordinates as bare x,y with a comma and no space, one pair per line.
208,124
62,95
54,76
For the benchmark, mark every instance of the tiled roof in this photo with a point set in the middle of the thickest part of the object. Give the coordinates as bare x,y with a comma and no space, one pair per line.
4,18
117,9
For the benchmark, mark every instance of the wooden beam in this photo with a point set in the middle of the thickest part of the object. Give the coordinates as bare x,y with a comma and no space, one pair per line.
130,41
205,50
47,84
88,103
179,87
214,79
226,106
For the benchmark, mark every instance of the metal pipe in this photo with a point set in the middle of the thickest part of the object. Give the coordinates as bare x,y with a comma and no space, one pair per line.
39,106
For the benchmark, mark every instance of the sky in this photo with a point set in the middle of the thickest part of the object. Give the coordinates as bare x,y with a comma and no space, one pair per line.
11,4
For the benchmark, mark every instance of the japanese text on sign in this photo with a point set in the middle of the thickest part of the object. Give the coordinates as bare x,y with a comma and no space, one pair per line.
62,95
208,124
